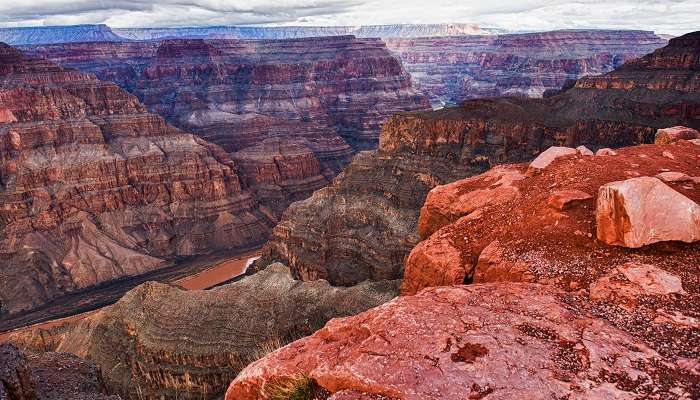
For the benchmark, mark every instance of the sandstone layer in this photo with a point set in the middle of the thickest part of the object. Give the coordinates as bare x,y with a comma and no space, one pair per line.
159,341
491,341
95,188
364,224
48,376
237,92
453,69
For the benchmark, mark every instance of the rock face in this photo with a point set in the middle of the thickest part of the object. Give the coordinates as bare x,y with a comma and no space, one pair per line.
364,224
95,188
453,69
159,341
641,211
280,171
496,341
48,376
235,93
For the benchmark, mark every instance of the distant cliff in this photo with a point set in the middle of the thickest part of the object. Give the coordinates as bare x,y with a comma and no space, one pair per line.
453,69
58,34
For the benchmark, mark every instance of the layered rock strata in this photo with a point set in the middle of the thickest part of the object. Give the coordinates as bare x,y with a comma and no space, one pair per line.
159,341
365,223
453,69
237,92
95,188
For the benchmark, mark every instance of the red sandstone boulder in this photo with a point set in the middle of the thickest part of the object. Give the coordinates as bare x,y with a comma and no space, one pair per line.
631,281
564,199
549,155
448,202
674,134
584,151
642,211
494,341
606,152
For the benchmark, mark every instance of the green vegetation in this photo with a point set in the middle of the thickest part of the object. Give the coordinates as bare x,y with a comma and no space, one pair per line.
301,387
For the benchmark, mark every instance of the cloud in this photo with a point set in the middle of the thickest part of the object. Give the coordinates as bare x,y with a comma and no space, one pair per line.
664,16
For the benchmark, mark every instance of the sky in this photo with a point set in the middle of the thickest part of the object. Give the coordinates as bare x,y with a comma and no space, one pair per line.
662,16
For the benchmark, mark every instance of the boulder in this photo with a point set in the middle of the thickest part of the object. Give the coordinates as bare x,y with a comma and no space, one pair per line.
606,152
549,155
674,177
584,151
563,199
633,280
641,211
674,134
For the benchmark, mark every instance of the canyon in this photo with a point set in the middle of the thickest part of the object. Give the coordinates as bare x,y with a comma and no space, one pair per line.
159,341
293,112
95,188
453,69
364,224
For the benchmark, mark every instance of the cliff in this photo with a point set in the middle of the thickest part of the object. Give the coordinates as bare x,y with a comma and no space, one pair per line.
364,224
58,34
159,341
329,95
453,69
296,32
95,188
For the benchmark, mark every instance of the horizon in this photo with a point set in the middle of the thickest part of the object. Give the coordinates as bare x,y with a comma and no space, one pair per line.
673,17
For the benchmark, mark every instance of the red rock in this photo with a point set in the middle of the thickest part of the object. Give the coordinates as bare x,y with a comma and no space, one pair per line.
501,341
673,177
605,152
674,134
549,155
584,151
492,266
641,211
563,199
639,280
446,202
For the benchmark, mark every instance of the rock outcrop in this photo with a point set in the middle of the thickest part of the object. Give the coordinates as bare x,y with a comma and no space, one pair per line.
365,223
95,188
48,376
159,341
495,341
674,134
453,69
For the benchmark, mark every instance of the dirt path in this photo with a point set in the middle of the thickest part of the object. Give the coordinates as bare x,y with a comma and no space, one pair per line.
221,271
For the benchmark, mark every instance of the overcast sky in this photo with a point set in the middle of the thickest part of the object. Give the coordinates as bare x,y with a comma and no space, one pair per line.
662,16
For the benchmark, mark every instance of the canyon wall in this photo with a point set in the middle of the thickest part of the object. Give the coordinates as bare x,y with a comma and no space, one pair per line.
95,188
364,224
159,341
453,69
58,34
325,97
